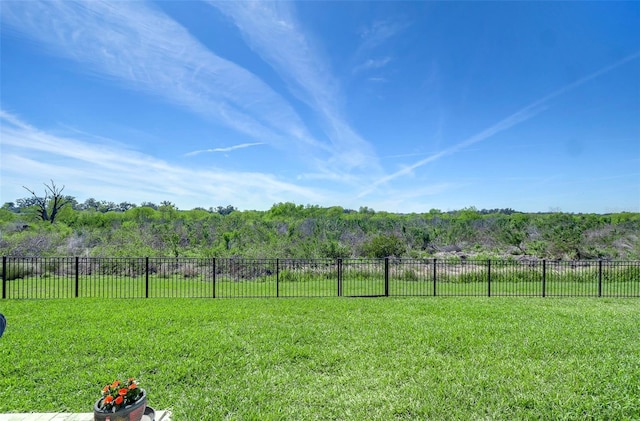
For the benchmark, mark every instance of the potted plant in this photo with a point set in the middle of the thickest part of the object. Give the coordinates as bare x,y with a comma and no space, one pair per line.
121,401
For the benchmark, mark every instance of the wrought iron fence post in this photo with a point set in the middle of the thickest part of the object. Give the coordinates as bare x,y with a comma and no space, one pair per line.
434,276
339,277
386,276
146,277
488,277
544,278
77,275
214,277
277,278
4,277
600,278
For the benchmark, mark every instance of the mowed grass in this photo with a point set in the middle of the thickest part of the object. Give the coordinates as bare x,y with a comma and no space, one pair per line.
330,358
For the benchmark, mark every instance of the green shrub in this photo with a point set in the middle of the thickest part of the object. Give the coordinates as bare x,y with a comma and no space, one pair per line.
627,274
471,277
514,276
362,275
334,250
410,275
384,246
287,276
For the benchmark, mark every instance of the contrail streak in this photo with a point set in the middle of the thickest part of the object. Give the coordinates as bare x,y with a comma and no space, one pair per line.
227,149
514,119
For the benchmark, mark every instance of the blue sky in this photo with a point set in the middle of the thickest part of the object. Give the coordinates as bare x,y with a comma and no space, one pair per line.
397,106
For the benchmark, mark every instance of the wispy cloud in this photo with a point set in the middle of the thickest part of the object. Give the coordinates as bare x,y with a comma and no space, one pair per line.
140,176
141,48
380,32
273,32
514,119
372,64
372,38
227,149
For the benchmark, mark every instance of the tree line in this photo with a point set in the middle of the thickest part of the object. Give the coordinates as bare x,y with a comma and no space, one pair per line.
40,226
47,207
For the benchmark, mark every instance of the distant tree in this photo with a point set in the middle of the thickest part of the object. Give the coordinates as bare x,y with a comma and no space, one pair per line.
10,206
167,209
105,206
225,210
513,231
125,206
334,250
73,203
168,205
505,211
26,203
418,236
90,204
285,210
47,207
366,210
102,206
563,233
149,205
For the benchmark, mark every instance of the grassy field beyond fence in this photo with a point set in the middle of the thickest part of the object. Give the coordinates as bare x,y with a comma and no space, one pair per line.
319,359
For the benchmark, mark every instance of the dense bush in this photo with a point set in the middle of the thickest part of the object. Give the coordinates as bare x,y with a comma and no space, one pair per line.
384,246
295,231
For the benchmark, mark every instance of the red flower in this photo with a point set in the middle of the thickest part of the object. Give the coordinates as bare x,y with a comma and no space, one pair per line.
118,393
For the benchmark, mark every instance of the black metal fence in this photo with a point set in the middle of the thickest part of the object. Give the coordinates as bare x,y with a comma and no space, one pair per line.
66,277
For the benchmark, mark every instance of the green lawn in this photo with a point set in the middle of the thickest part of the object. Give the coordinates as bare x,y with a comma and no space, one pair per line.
330,358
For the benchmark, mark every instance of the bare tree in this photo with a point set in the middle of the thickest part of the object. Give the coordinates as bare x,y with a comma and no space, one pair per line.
49,205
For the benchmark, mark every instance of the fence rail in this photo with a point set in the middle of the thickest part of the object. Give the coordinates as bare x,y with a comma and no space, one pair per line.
68,277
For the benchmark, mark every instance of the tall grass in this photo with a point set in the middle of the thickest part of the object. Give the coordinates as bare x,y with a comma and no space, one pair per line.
407,283
306,359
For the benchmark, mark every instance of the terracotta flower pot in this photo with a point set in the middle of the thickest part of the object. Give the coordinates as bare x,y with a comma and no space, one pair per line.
133,412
